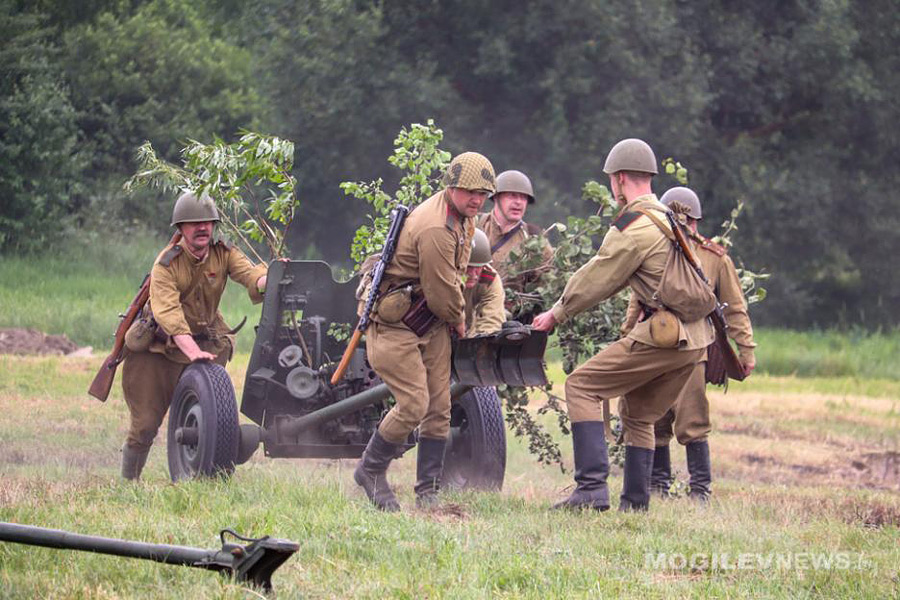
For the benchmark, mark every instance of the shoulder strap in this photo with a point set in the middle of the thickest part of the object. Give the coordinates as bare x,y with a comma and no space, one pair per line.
658,222
625,219
506,237
169,255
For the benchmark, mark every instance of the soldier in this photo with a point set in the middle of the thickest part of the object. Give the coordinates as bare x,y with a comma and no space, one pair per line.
186,284
645,368
690,414
484,290
506,229
411,351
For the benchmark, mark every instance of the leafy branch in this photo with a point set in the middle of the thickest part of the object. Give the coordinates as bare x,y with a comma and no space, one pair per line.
232,174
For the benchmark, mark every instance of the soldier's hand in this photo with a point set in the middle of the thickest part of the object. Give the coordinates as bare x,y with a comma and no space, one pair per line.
748,367
186,344
202,356
544,321
460,329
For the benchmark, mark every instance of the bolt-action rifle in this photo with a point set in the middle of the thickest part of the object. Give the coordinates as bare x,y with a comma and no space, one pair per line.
733,367
398,216
104,379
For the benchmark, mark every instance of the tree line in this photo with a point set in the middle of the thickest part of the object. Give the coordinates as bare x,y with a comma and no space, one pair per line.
788,106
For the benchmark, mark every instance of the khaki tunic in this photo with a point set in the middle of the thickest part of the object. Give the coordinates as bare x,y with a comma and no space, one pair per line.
484,304
432,254
184,297
501,257
689,419
633,253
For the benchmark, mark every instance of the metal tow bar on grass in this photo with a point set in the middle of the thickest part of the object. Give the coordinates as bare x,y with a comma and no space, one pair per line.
253,563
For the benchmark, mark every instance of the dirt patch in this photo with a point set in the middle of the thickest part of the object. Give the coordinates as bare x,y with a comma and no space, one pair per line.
31,341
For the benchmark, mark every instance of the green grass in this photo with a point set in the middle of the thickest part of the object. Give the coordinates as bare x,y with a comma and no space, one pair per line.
58,468
829,353
81,290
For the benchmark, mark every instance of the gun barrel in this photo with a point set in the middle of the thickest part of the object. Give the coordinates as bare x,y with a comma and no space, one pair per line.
373,395
56,538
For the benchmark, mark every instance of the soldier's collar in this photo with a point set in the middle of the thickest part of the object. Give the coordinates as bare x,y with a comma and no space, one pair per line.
193,257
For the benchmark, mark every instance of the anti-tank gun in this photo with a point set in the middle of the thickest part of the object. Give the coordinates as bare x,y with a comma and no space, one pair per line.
296,410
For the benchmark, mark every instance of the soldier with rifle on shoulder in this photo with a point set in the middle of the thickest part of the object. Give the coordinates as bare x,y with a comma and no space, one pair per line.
690,415
408,342
181,323
649,368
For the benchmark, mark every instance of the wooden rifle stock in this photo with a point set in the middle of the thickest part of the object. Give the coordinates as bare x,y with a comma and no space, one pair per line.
733,367
345,359
103,381
398,216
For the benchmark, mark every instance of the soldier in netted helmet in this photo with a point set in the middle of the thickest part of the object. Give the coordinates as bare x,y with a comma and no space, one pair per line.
483,290
411,351
688,419
507,230
186,284
647,369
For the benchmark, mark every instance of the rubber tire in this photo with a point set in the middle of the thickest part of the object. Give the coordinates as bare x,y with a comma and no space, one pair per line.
204,397
476,454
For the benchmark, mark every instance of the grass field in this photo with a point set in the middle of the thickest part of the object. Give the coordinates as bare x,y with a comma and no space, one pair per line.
807,474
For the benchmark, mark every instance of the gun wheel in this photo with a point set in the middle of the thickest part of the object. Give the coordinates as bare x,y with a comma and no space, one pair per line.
203,433
476,454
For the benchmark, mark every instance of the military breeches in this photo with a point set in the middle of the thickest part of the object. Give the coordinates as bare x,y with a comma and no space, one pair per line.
417,371
148,381
688,419
648,379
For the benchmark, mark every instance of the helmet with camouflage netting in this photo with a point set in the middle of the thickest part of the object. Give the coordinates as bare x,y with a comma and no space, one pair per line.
471,171
191,209
631,155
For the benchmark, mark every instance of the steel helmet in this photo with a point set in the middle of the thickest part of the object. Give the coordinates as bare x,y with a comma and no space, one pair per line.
471,171
515,181
687,198
481,250
190,209
631,155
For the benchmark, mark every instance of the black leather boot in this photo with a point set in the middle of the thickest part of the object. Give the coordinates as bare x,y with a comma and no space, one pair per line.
661,475
591,468
429,466
371,472
699,470
133,461
636,485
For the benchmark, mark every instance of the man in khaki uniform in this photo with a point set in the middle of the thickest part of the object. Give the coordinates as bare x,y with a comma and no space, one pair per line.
690,414
483,293
431,257
647,375
186,284
507,230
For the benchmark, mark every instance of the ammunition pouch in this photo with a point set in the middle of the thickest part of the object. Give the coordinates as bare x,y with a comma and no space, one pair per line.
142,333
419,317
393,306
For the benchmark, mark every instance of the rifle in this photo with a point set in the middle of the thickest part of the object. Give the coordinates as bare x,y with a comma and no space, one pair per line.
733,367
398,216
104,379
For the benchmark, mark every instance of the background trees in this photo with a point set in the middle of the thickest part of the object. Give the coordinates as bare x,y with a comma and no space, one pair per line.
789,106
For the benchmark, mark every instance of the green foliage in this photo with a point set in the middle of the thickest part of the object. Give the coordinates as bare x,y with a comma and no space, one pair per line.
580,337
416,153
232,174
40,159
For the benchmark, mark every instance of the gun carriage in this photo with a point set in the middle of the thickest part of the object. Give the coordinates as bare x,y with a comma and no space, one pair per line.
296,410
